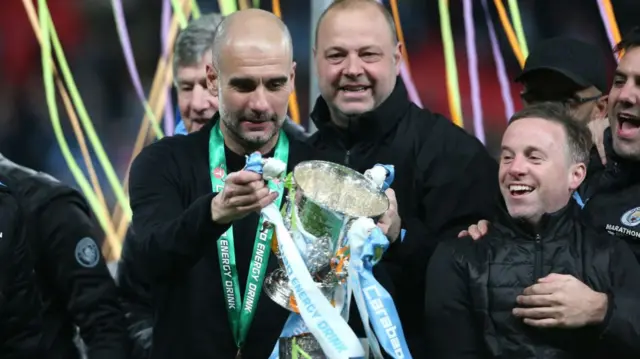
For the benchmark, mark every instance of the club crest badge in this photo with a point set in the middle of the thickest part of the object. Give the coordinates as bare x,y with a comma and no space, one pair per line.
631,217
218,173
87,253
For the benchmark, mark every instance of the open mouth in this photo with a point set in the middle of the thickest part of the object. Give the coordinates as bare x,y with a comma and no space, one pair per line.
628,125
519,190
354,88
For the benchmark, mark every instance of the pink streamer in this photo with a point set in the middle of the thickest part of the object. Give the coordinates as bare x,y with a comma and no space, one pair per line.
474,77
169,120
408,82
607,26
503,78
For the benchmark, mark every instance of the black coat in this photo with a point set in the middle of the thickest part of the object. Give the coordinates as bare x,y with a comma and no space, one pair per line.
444,181
472,288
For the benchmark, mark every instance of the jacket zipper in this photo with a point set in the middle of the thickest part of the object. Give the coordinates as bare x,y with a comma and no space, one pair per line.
537,268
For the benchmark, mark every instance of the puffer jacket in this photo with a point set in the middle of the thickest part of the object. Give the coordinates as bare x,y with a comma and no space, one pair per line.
472,288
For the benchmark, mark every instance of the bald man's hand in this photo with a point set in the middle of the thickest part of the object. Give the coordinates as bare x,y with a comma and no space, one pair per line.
244,192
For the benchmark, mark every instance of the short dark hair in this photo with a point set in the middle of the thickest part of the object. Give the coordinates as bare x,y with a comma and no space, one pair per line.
346,4
630,40
579,138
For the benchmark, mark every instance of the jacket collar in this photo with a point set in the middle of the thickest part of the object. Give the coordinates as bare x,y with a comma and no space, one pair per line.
371,126
550,225
619,172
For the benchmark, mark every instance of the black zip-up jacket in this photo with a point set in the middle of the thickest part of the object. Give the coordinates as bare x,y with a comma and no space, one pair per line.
612,195
175,249
444,180
76,286
20,302
472,288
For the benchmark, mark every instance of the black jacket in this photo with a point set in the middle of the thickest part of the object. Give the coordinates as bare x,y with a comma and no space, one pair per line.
135,289
612,195
444,180
20,302
76,286
472,288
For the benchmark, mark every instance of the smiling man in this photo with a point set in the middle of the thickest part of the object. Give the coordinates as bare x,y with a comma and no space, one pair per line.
497,295
444,177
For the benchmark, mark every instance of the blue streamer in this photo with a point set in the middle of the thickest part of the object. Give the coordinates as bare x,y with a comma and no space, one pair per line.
180,129
386,323
254,163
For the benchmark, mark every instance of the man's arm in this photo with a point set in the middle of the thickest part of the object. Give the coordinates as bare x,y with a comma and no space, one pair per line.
74,262
451,331
621,326
170,237
20,302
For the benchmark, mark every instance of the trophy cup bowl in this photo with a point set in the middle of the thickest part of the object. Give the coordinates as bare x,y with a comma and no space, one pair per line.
323,201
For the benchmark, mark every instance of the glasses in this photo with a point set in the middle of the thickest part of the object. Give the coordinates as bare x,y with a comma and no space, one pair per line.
571,100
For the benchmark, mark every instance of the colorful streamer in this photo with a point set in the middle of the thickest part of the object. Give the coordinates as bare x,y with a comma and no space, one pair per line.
195,9
227,7
294,109
103,159
517,25
99,207
453,86
474,76
48,80
508,29
125,43
169,120
610,24
405,74
501,70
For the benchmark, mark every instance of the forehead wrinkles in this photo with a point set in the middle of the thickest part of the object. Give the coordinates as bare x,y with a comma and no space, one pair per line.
250,53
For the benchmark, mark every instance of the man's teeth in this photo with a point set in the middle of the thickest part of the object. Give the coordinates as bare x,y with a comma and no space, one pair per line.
520,188
354,89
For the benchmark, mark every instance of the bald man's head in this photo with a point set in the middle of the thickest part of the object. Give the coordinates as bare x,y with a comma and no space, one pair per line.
252,28
339,5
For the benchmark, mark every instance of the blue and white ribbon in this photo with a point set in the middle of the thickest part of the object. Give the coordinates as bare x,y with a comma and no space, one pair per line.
180,129
368,243
321,319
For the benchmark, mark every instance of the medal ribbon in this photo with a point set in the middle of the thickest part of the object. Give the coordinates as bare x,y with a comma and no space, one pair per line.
240,312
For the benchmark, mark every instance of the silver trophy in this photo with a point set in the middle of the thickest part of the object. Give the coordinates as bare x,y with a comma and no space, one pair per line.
323,200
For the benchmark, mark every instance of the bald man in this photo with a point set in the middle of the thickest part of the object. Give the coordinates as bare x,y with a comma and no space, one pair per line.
189,191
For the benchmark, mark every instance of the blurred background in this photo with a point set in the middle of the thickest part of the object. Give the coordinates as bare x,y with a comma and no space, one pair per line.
88,34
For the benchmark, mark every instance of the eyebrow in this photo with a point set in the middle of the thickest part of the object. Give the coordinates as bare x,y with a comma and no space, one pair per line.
250,80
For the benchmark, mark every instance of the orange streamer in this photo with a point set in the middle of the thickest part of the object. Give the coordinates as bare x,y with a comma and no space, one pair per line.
608,9
396,20
511,35
294,109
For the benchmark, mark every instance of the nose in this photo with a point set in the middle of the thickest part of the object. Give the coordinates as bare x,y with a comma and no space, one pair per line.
199,101
353,66
259,102
517,167
629,94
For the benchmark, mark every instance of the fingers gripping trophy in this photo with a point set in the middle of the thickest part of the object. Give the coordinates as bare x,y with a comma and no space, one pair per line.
327,242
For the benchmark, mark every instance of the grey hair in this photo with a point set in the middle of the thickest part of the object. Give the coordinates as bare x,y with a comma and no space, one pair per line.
195,40
223,31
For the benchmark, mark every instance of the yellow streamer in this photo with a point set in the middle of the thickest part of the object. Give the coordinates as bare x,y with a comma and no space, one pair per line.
112,177
508,29
227,7
48,79
244,4
396,20
294,109
517,24
453,87
608,9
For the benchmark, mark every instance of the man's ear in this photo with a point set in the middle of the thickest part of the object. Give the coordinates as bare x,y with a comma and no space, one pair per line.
212,80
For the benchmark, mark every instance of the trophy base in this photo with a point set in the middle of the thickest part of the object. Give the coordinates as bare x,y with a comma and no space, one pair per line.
291,347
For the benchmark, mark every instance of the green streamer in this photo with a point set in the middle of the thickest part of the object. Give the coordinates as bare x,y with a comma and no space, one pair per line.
227,7
112,177
450,63
47,74
256,4
177,9
517,26
195,9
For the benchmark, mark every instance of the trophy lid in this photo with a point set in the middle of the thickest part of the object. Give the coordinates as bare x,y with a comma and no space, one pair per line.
339,189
